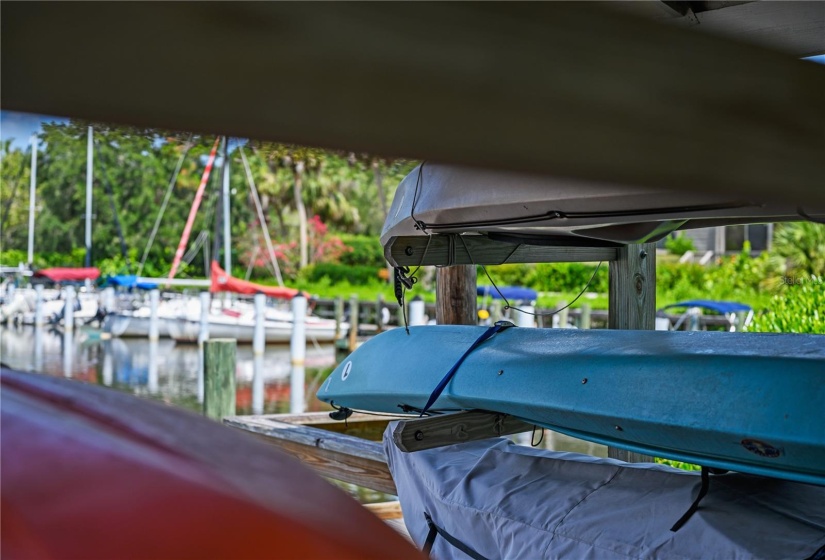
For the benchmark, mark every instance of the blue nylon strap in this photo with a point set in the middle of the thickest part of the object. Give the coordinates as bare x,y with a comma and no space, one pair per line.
489,333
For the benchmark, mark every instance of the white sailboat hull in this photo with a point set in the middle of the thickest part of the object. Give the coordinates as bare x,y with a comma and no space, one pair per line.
186,330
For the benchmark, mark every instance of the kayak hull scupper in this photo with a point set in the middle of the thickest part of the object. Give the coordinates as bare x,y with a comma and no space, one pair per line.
746,402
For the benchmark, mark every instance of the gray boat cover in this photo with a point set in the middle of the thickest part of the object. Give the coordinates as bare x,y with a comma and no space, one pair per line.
509,501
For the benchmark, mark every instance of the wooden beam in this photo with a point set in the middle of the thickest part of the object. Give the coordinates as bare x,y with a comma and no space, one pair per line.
562,88
632,288
455,295
339,456
459,427
632,305
446,250
386,510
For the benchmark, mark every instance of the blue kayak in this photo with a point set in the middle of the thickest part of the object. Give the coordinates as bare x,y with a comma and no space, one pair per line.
746,402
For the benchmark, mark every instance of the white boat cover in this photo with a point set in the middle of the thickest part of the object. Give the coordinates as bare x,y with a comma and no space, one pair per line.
509,501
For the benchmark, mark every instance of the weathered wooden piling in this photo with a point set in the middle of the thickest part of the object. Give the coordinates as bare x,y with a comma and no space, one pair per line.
632,305
455,295
219,357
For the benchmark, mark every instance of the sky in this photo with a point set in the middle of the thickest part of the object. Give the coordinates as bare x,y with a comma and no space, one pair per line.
20,126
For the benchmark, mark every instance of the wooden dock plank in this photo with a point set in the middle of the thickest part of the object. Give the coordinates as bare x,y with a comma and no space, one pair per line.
335,455
438,250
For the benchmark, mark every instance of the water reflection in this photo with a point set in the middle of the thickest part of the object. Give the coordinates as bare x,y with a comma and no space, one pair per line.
163,370
172,373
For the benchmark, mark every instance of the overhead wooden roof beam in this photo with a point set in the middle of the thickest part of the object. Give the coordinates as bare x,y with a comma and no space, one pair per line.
568,89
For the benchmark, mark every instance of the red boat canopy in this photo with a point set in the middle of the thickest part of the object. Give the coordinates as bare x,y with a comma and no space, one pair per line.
68,274
223,282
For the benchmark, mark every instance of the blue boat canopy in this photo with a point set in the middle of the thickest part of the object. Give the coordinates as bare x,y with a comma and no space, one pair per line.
718,306
130,281
516,293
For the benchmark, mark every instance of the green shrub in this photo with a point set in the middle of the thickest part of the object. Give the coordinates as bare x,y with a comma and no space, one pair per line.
803,244
678,464
366,251
568,277
335,273
679,244
798,308
506,274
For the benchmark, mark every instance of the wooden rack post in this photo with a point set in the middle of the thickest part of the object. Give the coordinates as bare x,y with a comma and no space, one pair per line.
632,305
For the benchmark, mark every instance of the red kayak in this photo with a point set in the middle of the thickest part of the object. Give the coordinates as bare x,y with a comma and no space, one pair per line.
88,472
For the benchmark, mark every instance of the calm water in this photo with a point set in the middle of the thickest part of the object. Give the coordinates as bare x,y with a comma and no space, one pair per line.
169,372
163,370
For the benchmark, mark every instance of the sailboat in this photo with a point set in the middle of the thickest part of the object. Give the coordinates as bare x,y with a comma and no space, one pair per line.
238,320
181,318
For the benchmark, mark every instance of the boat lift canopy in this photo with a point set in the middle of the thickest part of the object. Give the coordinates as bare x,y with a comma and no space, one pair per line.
224,282
68,274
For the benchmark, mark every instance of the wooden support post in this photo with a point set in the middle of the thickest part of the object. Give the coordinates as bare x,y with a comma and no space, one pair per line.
379,307
563,314
632,290
449,429
584,318
219,377
632,305
456,295
353,323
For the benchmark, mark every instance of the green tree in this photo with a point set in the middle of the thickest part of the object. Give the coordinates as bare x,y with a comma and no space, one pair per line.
803,244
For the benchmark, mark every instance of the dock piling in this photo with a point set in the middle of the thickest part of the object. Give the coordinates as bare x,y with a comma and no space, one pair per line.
353,323
68,309
219,357
258,337
38,305
338,307
526,319
379,313
203,336
108,299
584,318
154,322
297,350
416,308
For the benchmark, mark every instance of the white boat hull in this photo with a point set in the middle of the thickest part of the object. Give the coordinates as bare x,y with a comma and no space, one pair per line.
185,330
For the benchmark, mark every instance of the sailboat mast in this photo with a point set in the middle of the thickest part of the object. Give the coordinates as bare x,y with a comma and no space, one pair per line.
227,239
32,194
89,178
